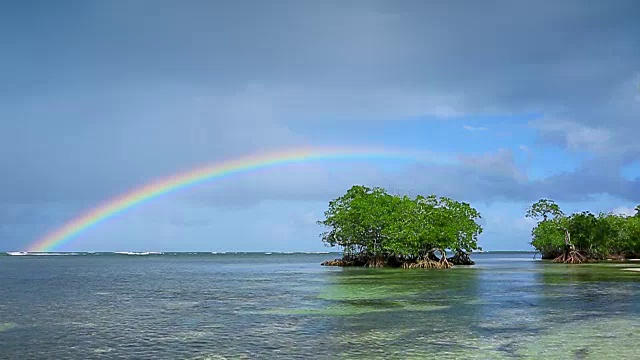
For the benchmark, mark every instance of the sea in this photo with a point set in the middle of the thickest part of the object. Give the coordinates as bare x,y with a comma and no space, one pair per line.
285,305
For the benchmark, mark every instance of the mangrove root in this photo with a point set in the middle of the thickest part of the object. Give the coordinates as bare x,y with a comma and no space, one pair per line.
343,262
377,262
571,256
427,261
461,258
428,264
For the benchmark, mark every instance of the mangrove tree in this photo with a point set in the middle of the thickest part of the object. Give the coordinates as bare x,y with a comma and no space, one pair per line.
583,236
376,229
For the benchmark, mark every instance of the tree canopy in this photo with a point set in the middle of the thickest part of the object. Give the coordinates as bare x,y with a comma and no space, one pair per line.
381,229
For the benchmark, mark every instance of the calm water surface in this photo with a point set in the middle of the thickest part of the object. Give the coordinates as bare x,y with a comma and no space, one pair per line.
287,306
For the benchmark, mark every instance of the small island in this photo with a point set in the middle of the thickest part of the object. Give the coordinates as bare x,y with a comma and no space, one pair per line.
378,229
583,237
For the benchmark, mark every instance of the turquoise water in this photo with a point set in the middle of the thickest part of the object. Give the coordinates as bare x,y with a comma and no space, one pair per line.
288,306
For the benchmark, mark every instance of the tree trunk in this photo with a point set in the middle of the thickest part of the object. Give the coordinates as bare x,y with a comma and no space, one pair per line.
570,255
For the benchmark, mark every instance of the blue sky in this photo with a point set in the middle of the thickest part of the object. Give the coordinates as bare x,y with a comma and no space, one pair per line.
531,99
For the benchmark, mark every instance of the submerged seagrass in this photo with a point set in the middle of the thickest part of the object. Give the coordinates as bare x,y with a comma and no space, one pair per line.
377,229
246,306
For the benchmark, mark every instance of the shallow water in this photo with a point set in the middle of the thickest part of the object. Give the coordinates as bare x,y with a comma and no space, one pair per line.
288,306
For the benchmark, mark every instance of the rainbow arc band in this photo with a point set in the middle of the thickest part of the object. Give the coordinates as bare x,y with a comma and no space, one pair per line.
180,181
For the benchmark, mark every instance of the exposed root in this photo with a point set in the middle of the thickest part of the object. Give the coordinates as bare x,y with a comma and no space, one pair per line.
347,261
572,256
427,261
376,262
336,262
428,264
422,264
444,263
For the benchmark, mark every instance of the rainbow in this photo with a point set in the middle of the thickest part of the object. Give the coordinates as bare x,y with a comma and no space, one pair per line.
193,177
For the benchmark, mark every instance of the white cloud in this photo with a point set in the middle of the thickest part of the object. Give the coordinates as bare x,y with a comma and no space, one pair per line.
499,162
622,210
575,135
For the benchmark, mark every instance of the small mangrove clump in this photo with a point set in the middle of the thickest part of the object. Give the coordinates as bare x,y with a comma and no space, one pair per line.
377,229
583,237
461,258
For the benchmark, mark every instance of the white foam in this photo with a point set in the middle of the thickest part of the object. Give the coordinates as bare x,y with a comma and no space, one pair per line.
132,253
27,253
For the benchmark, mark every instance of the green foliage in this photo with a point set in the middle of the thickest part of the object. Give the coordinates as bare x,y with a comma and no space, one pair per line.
599,237
544,209
372,222
548,237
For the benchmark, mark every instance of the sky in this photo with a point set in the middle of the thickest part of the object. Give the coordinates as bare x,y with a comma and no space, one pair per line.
530,99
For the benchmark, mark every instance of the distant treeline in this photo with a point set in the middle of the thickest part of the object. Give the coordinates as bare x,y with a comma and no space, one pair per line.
378,229
583,236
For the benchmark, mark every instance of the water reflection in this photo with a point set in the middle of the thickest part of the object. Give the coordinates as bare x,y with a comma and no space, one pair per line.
406,312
